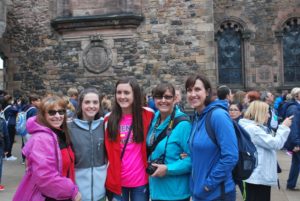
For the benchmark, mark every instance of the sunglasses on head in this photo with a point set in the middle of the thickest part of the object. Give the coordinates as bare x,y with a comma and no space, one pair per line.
53,112
165,97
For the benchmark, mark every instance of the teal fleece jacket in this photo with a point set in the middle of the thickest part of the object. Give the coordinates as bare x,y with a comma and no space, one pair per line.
175,185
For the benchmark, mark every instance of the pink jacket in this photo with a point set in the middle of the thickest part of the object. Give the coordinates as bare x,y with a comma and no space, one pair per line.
44,167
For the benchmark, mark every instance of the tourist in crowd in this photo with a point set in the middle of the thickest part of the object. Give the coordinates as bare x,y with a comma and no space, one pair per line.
73,95
4,143
87,137
258,185
239,96
235,111
268,98
31,110
169,180
224,93
212,164
70,109
50,168
293,142
126,129
251,96
10,111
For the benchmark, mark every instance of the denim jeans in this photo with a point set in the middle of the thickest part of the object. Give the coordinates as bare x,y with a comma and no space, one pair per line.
140,193
294,171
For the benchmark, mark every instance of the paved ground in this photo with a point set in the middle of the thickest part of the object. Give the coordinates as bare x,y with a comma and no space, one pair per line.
13,172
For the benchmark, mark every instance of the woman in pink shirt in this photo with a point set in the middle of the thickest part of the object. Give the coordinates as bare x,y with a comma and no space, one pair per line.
126,128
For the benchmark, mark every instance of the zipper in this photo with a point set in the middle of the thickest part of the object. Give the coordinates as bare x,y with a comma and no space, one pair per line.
92,162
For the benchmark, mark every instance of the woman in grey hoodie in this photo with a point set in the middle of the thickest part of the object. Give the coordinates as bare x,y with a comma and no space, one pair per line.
87,139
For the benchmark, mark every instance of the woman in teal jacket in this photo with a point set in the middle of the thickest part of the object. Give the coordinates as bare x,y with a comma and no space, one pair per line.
170,180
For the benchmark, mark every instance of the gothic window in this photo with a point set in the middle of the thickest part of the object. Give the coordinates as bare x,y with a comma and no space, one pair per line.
291,50
229,46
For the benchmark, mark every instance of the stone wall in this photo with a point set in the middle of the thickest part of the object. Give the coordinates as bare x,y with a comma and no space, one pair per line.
263,55
174,40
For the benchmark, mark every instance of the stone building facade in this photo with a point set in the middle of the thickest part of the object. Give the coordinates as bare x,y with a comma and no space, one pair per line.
51,45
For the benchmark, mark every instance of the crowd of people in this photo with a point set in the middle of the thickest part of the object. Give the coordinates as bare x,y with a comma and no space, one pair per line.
84,146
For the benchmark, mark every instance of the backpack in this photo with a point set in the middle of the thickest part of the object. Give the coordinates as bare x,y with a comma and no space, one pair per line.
2,116
282,109
247,151
21,122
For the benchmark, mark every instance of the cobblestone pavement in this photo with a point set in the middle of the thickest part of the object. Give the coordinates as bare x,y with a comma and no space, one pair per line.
13,172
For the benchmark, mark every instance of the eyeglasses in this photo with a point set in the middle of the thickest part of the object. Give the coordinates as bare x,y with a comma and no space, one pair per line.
53,112
165,97
234,110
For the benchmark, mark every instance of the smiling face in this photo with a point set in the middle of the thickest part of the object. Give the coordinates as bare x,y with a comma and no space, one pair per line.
55,116
124,97
196,95
165,103
90,106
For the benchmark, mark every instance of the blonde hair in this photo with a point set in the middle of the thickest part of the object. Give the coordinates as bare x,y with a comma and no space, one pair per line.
257,111
295,92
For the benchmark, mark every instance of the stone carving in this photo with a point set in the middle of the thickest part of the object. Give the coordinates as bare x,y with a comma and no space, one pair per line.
96,57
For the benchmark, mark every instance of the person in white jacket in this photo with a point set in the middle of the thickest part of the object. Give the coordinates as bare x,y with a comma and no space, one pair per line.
258,185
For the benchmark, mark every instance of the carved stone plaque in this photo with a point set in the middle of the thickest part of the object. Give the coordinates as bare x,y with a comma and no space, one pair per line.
97,58
264,74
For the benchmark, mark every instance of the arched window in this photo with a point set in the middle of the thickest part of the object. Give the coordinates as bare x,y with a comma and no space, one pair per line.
291,50
230,52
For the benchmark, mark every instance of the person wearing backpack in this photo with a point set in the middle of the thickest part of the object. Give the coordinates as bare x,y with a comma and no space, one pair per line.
258,185
4,142
293,142
212,163
10,114
166,141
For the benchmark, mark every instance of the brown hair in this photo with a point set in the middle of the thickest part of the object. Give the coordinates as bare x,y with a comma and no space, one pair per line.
47,104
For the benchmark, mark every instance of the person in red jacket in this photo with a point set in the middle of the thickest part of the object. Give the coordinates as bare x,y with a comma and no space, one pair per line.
126,128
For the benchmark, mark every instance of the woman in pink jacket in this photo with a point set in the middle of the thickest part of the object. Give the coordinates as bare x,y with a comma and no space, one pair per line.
44,178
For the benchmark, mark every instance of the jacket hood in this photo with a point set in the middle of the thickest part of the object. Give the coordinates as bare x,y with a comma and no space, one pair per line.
86,124
34,127
217,103
244,122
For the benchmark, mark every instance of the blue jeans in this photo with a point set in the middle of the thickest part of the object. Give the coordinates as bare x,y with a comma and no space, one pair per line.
294,171
140,193
230,196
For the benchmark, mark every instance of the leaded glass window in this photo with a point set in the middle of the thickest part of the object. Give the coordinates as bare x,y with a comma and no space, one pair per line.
229,41
291,50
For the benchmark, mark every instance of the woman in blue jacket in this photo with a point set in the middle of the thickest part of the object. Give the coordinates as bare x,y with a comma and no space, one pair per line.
170,180
212,164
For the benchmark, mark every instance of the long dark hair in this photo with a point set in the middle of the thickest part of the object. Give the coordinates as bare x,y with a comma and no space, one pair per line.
116,113
190,82
81,96
47,104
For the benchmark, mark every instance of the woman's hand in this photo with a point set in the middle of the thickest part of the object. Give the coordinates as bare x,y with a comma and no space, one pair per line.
288,121
183,155
78,197
296,149
160,171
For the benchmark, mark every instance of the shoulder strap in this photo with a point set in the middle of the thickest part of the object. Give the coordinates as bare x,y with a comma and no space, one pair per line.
126,142
210,131
29,109
167,132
